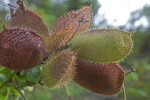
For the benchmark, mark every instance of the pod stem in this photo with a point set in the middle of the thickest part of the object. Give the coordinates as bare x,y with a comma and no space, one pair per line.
124,92
68,93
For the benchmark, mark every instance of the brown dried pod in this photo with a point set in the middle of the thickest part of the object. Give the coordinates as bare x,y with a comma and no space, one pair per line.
59,70
101,78
21,48
69,25
23,16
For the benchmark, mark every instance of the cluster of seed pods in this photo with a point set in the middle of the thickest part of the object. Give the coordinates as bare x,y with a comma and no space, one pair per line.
76,53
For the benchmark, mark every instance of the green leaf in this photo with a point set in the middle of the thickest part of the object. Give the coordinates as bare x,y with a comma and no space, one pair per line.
34,74
102,45
6,72
2,78
15,92
5,92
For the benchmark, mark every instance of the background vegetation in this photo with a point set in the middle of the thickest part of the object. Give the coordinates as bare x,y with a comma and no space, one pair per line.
137,84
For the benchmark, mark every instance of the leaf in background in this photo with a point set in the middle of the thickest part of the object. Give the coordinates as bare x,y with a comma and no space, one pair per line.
34,74
66,26
2,78
15,92
59,70
4,93
29,18
102,45
6,72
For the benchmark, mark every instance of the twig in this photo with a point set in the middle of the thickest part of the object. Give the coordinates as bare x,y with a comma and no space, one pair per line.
131,70
41,83
8,81
17,88
124,92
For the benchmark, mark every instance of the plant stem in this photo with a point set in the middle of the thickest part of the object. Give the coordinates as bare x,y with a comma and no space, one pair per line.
17,88
9,79
124,92
68,93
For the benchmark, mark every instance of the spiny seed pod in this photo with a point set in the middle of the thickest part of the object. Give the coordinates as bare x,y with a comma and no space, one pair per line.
67,26
20,48
102,45
29,18
101,78
59,70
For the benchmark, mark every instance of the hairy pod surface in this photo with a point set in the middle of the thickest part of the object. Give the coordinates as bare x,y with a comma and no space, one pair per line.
21,48
29,18
66,27
59,70
102,45
101,78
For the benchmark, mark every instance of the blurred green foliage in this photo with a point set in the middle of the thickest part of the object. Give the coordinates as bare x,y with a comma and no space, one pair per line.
137,84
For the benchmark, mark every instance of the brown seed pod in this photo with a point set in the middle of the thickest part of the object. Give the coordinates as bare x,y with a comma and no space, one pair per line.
20,48
101,78
69,25
29,18
59,70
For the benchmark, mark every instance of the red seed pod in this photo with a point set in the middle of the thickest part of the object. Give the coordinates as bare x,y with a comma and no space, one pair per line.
23,16
20,48
101,78
66,27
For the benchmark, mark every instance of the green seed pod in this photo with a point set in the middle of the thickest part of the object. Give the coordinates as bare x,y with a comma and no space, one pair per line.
21,48
59,70
23,16
101,78
102,45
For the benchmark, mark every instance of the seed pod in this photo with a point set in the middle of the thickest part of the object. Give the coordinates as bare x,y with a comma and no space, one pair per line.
68,25
20,48
59,70
102,45
101,78
29,18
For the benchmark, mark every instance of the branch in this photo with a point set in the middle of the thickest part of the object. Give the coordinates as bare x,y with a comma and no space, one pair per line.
9,79
131,70
17,88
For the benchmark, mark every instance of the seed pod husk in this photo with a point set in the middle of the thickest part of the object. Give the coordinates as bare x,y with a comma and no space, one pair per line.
68,26
59,70
102,45
101,78
21,48
24,16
